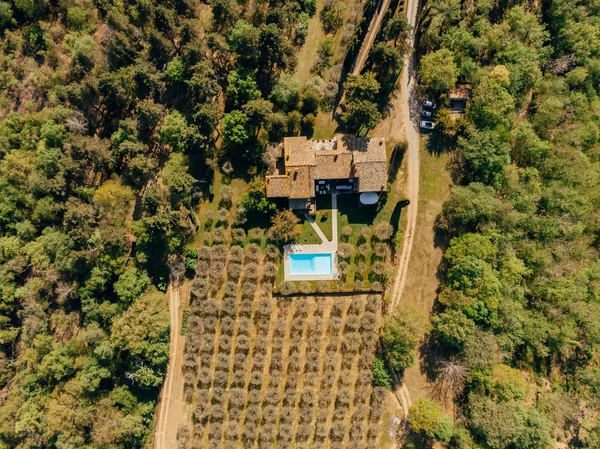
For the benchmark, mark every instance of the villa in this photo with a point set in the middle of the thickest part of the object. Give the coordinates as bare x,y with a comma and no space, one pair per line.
345,164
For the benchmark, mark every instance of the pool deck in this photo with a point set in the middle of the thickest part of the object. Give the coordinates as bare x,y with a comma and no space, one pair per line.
325,247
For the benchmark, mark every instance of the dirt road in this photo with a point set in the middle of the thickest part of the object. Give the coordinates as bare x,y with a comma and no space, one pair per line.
365,48
172,405
408,104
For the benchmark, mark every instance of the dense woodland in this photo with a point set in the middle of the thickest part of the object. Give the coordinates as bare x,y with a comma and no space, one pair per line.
114,116
519,306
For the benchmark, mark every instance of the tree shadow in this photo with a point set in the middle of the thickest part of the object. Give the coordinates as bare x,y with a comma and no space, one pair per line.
396,161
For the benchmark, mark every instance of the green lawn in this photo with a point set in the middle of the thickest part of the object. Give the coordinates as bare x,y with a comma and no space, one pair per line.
307,233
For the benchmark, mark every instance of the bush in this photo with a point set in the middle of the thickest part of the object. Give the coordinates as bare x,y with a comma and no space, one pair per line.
217,253
238,234
252,252
251,271
381,377
233,271
202,268
365,233
383,231
269,271
256,234
248,290
427,419
346,250
287,288
219,234
236,254
226,196
204,253
305,287
272,252
222,216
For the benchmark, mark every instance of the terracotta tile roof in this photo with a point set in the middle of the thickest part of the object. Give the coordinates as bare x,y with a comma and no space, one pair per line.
298,152
302,182
344,156
333,165
278,186
372,176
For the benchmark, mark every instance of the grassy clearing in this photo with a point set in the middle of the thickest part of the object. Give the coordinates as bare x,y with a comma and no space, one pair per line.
307,235
422,282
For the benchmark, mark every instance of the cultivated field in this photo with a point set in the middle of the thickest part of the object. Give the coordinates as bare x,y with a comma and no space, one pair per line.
277,372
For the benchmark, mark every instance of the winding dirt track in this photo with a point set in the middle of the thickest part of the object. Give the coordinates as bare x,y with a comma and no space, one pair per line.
171,400
407,103
410,111
365,48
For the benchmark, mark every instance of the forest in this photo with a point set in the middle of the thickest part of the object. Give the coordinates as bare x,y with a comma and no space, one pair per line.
518,313
114,118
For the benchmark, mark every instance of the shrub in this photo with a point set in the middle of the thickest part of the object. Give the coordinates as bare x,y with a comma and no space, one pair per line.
364,250
217,395
377,286
287,288
305,287
304,432
380,250
346,250
252,252
218,253
268,433
352,323
204,253
244,326
256,379
346,232
256,234
251,271
269,271
231,431
286,432
200,289
226,195
227,325
338,430
239,378
383,231
246,307
335,325
230,288
272,397
370,340
224,344
233,272
229,307
219,234
351,343
427,419
249,434
252,414
236,254
338,309
365,233
272,252
202,268
222,216
276,362
242,344
270,414
248,290
381,377
254,397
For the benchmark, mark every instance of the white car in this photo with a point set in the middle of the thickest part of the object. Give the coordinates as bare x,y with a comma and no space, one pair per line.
429,104
426,124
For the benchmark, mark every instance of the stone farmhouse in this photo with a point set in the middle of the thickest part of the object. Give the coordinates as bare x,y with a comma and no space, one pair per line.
345,164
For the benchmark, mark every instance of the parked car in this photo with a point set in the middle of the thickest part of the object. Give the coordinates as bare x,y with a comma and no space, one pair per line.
426,124
429,104
426,113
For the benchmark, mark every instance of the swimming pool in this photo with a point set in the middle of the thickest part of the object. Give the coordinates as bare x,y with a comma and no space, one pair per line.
308,264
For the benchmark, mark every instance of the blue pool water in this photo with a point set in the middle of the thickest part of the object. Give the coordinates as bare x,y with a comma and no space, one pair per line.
307,264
